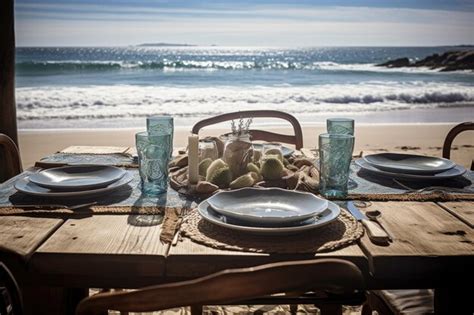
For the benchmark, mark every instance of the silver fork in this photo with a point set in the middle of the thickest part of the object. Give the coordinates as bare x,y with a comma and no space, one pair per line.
177,237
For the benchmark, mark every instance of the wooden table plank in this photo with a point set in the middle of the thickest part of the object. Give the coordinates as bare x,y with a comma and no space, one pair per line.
22,235
189,259
463,210
429,244
102,249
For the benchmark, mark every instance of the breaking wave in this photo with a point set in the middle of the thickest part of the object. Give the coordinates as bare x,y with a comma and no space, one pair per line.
45,67
127,101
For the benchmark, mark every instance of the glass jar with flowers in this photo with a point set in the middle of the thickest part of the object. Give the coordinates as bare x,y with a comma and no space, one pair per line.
238,148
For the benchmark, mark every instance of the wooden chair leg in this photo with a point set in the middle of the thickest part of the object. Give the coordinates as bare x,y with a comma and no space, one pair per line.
375,303
52,300
453,301
330,309
294,308
366,309
196,309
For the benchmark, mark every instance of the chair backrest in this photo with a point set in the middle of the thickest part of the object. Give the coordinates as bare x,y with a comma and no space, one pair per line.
452,134
296,139
232,285
10,296
10,156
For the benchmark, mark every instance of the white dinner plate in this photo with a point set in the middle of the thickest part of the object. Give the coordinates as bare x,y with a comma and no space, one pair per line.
77,177
25,186
456,171
323,218
267,206
409,163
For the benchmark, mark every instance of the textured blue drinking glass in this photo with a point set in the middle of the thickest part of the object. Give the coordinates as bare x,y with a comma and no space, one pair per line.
335,155
343,126
159,126
153,158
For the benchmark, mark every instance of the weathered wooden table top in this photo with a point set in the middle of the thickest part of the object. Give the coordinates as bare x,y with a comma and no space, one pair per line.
432,241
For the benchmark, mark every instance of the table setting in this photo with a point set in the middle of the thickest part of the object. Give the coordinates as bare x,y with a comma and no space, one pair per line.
232,186
252,212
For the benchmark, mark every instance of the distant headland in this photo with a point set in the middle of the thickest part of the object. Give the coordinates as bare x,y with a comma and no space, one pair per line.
165,45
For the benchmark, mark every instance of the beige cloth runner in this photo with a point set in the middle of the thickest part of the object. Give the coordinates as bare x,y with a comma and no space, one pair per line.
78,149
171,224
337,234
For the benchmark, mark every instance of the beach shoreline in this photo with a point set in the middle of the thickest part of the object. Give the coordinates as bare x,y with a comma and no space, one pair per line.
424,138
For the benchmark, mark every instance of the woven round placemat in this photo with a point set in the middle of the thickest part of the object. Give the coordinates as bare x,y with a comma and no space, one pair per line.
337,234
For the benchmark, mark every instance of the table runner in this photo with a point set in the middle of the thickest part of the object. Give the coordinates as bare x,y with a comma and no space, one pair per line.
82,149
345,230
125,200
103,155
365,186
165,209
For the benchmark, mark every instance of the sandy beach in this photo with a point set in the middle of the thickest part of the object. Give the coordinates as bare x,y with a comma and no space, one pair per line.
425,138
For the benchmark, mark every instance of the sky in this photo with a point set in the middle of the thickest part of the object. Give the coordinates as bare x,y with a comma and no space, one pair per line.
267,23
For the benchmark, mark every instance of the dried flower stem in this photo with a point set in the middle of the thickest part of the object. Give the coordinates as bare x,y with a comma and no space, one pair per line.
242,127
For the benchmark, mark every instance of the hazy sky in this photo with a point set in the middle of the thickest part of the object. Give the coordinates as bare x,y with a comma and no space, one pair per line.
244,23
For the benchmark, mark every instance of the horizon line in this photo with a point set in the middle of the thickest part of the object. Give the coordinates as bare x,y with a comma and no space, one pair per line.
230,46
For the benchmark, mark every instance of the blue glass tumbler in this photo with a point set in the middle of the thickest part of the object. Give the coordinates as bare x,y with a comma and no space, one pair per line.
153,158
159,126
335,155
343,126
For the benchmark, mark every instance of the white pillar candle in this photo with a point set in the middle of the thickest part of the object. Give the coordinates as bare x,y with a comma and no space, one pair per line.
193,159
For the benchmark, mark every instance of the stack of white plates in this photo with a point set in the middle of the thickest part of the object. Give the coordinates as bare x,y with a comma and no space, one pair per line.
409,166
74,181
268,210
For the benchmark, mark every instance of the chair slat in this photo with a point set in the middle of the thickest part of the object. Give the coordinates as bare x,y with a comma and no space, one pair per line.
297,139
11,158
232,285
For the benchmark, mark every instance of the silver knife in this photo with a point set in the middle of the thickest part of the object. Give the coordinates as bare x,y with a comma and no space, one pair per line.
375,233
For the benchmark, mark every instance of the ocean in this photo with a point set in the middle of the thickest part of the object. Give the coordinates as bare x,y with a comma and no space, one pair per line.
84,87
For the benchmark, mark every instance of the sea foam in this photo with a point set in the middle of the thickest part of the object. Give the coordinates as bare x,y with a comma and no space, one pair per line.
182,65
127,101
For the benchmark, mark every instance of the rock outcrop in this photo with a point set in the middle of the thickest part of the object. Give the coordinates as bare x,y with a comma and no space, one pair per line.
449,61
396,63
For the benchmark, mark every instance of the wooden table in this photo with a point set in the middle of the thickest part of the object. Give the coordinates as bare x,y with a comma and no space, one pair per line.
55,259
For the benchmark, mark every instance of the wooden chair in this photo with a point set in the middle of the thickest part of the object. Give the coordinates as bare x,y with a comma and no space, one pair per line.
10,296
232,285
452,134
10,156
297,139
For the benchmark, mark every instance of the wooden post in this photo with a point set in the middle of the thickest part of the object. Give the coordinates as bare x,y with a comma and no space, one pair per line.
7,77
7,71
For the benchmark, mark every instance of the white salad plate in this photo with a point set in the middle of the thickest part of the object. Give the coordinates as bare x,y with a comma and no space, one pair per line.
327,216
267,206
409,163
77,177
456,171
26,186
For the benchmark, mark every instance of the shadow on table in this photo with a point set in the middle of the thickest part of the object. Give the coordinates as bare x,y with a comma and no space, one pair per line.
137,218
